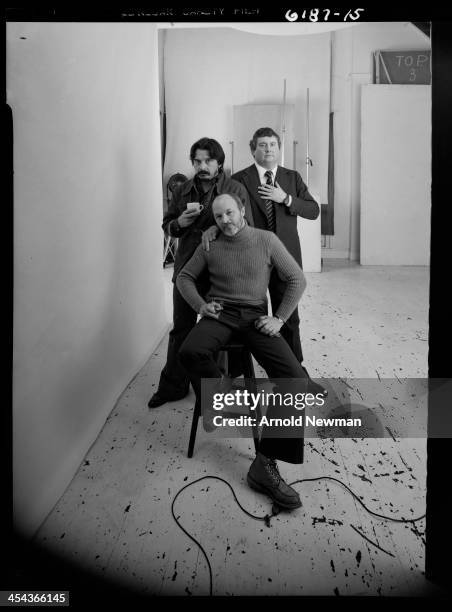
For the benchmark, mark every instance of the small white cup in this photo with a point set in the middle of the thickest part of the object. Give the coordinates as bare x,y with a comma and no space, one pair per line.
194,206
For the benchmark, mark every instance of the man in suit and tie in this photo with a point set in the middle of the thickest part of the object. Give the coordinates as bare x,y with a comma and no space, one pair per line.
277,197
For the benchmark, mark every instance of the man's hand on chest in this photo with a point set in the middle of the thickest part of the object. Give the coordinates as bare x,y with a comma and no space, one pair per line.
274,193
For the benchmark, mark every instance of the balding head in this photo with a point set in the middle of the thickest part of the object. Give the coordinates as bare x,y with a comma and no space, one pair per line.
227,197
229,213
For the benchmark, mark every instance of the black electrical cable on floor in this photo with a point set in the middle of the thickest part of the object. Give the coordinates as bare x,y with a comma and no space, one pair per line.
275,511
265,518
386,518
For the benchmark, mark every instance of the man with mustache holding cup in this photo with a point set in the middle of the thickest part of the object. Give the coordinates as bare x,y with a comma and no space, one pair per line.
189,218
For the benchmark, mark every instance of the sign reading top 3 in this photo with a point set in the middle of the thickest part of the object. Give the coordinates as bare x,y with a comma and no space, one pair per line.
402,67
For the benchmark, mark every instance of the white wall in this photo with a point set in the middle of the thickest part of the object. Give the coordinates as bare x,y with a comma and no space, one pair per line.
352,67
395,175
87,239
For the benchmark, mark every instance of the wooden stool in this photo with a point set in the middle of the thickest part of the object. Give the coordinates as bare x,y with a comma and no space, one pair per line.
248,373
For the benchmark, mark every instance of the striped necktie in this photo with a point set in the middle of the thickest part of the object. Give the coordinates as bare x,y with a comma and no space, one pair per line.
269,208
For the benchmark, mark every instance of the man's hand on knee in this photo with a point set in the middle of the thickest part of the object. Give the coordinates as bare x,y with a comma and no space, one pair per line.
269,326
212,310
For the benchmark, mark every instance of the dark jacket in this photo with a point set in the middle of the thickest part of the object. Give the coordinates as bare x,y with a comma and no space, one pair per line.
190,237
303,205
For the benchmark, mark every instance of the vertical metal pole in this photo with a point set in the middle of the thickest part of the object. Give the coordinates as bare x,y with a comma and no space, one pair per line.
283,138
307,138
231,142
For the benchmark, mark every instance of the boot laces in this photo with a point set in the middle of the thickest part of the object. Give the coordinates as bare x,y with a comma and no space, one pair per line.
273,470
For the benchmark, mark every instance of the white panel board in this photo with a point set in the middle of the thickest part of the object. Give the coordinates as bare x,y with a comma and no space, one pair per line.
395,175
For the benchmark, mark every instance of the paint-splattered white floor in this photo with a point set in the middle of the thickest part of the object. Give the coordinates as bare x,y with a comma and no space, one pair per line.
116,515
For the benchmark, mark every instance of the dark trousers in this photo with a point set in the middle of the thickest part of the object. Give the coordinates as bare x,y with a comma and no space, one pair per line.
272,353
290,331
174,382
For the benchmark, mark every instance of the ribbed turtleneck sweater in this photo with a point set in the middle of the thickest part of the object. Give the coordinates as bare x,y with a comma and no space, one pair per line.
239,269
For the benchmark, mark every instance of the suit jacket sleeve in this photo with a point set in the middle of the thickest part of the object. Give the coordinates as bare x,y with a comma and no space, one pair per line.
175,209
289,270
303,204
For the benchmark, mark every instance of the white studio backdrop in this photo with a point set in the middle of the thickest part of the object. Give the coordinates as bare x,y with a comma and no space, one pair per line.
208,71
87,240
395,175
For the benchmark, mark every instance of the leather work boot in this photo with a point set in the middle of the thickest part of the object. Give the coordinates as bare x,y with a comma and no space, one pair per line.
264,476
313,387
158,399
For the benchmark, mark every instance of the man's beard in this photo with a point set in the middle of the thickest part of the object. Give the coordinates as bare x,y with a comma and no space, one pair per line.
235,228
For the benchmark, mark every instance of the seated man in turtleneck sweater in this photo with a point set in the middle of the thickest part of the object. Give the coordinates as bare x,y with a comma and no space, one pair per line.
239,263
